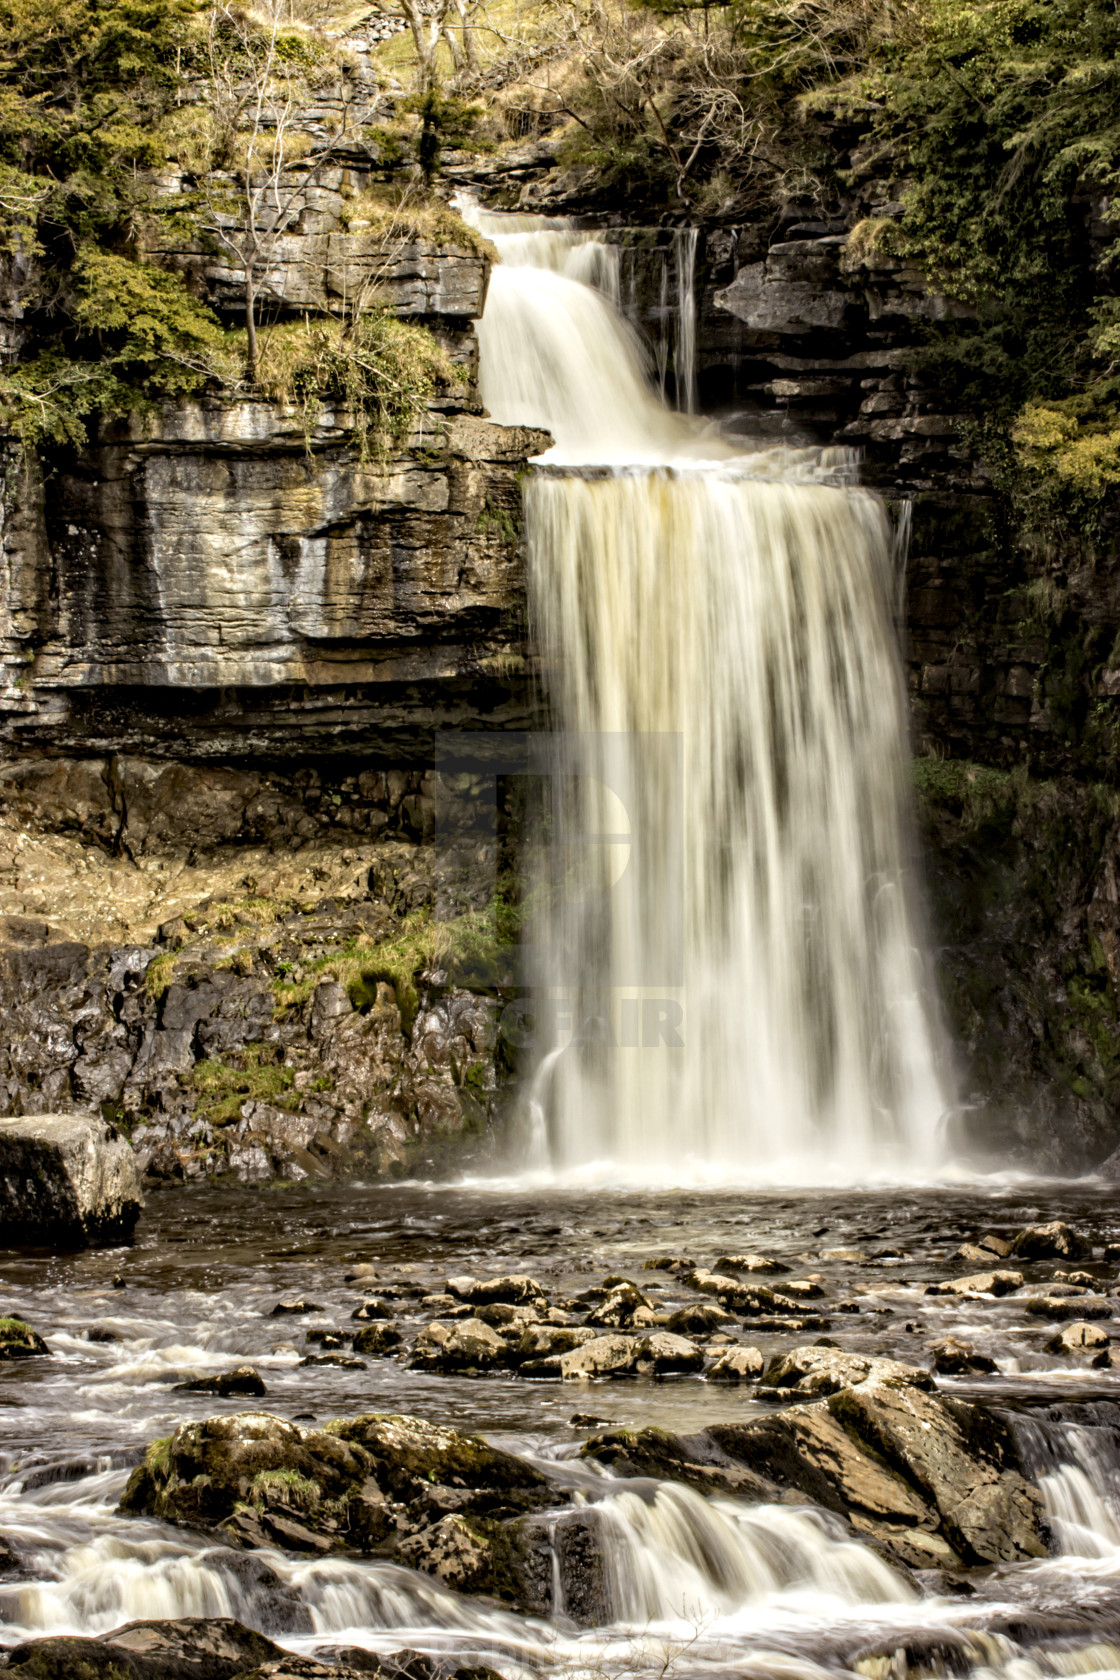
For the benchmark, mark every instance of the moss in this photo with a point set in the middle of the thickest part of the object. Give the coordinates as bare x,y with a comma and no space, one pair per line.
287,1487
221,1089
377,214
474,949
159,973
501,522
381,370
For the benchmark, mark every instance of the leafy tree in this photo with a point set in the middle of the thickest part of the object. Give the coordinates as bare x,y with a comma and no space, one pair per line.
84,88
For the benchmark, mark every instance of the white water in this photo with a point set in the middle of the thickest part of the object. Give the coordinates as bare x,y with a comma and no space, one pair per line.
729,912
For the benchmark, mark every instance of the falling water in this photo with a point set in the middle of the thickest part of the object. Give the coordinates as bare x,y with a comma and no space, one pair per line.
727,921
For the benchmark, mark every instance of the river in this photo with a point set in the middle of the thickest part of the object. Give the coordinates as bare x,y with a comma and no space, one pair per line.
770,1590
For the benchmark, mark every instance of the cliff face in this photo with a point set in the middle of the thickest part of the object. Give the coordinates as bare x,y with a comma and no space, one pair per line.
1011,642
226,578
227,642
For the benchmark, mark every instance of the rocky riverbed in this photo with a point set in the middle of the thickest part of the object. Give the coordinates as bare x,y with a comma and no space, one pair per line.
533,1428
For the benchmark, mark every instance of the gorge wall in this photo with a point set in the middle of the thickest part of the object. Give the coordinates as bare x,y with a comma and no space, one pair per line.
228,642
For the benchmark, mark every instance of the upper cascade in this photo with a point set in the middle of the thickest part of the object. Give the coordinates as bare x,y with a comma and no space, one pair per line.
728,912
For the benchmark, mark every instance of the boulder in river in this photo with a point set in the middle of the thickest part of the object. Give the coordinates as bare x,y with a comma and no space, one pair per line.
465,1346
934,1482
192,1648
979,1283
1079,1338
737,1365
697,1319
243,1381
371,1484
760,1264
1066,1307
1052,1241
515,1290
625,1308
377,1340
67,1179
822,1370
953,1358
19,1341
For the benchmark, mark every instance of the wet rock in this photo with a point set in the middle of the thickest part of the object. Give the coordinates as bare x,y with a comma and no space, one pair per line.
11,1560
984,1250
67,1178
953,1358
697,1320
377,1340
19,1341
515,1290
243,1381
603,1356
737,1365
756,1263
367,1484
933,1482
372,1309
1107,1360
979,1283
210,1648
1068,1307
294,1308
624,1308
671,1263
804,1289
328,1338
847,1256
659,1354
1078,1338
546,1341
663,1354
818,1371
465,1346
343,1361
451,1551
100,1333
500,1316
1053,1241
747,1300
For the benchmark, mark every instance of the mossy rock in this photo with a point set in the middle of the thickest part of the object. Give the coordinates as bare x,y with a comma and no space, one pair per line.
19,1341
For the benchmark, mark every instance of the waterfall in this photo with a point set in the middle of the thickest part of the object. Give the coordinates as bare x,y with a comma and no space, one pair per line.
726,925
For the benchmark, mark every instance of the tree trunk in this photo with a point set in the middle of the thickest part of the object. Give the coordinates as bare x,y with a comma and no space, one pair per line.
250,329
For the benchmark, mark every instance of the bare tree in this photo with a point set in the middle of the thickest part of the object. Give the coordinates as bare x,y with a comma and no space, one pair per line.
255,98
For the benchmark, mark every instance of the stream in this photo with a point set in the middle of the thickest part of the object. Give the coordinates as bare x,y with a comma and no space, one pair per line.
697,1585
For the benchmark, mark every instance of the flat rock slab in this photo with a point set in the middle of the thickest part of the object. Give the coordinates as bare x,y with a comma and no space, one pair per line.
66,1179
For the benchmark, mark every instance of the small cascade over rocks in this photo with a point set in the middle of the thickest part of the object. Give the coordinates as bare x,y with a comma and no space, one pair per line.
727,912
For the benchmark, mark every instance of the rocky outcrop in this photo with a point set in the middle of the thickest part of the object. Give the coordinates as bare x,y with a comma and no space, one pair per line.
66,1179
366,602
210,1648
271,1010
933,1482
396,1487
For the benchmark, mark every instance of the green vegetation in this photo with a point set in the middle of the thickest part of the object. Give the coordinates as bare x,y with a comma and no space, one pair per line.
378,368
380,214
222,1089
475,949
285,1487
1006,120
98,99
84,88
159,973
